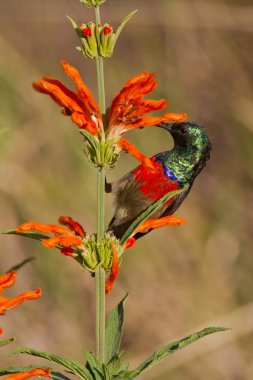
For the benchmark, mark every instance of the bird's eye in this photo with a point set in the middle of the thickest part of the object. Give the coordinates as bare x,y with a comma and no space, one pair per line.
183,131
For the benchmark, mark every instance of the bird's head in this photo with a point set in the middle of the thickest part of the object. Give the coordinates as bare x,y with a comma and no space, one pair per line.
189,136
191,150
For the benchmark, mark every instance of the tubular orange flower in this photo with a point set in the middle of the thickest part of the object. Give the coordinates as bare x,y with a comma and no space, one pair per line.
7,280
27,375
168,220
63,236
65,241
72,225
151,224
6,303
128,107
114,272
81,106
128,111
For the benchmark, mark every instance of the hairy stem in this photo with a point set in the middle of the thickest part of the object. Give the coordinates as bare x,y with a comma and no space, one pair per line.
100,272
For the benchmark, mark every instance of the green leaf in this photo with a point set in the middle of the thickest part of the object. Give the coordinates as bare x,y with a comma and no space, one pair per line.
116,369
147,213
32,235
7,341
73,366
171,348
94,366
54,374
122,25
114,330
76,27
21,264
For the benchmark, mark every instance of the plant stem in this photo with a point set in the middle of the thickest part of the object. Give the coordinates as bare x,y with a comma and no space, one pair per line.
100,272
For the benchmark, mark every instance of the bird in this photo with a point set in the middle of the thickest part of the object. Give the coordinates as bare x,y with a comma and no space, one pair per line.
173,170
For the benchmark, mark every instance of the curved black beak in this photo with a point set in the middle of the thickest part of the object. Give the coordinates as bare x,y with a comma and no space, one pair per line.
167,126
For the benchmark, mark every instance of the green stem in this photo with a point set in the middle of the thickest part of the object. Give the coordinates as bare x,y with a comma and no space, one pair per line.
100,272
101,202
100,314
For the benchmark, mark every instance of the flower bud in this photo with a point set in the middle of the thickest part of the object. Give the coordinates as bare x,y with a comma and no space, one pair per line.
94,3
105,34
86,34
97,39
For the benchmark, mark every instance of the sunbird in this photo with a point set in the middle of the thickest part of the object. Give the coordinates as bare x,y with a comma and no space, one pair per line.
173,170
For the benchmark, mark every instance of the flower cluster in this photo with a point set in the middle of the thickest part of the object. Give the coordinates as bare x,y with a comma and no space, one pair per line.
90,3
103,137
89,251
98,40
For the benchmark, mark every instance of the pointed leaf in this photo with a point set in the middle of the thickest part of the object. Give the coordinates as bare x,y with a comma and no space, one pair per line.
7,341
94,366
147,213
21,264
115,368
122,25
76,27
114,330
161,354
32,235
73,366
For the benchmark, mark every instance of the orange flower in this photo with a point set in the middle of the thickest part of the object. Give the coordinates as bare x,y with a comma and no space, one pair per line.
114,271
145,226
27,375
128,111
8,280
64,238
81,106
151,224
128,108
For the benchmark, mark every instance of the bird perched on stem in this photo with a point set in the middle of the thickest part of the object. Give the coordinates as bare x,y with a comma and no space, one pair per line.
173,170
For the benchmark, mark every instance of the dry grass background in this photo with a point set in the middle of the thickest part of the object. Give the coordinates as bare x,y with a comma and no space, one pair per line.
181,279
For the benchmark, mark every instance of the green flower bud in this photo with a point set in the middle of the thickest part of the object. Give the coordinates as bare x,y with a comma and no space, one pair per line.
98,40
86,34
94,3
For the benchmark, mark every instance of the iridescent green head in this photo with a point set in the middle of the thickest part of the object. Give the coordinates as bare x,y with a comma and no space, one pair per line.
191,149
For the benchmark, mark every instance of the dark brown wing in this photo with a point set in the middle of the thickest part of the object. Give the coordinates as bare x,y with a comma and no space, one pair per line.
129,203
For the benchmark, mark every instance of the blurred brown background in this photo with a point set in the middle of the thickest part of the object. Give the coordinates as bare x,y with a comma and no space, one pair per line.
179,280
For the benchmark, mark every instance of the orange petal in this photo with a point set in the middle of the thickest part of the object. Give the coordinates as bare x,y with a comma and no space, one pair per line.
82,90
133,151
45,228
59,93
114,272
147,106
81,121
65,241
14,302
134,89
7,280
1,330
168,220
177,117
130,243
72,225
27,375
153,121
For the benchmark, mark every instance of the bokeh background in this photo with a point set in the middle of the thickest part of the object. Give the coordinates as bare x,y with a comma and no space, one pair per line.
179,279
